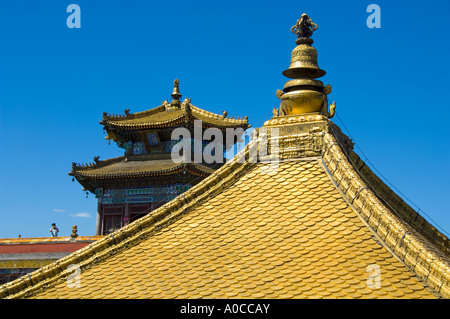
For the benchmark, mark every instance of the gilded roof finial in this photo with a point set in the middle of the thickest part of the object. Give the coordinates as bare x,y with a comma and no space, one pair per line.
304,94
176,90
74,232
304,56
176,96
304,29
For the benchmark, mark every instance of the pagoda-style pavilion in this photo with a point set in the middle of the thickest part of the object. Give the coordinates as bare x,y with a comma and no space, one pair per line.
146,177
321,224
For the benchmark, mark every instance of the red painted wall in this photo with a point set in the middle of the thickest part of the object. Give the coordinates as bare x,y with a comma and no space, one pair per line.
41,248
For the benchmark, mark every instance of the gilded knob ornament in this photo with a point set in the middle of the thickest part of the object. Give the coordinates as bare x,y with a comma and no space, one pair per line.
303,93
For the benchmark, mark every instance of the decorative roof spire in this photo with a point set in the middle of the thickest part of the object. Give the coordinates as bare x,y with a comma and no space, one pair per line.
176,96
304,29
176,90
304,94
304,56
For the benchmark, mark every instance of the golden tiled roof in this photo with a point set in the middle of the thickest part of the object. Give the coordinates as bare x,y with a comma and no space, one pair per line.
313,229
136,166
164,117
132,167
306,242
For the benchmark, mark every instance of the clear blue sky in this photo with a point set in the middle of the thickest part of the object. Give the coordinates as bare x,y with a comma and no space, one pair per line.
390,85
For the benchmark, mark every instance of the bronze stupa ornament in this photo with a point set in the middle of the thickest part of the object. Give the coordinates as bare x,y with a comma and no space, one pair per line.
304,94
304,29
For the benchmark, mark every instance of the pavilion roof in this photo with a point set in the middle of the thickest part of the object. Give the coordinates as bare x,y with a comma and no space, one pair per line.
132,167
167,116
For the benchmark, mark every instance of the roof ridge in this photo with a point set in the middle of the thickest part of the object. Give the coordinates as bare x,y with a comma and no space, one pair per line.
96,164
127,116
243,119
422,257
404,210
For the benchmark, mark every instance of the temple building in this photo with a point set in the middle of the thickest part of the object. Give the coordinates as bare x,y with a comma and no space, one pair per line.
306,220
146,177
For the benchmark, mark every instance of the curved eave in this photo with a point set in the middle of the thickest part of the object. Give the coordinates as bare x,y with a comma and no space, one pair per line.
89,176
137,121
140,126
176,122
217,120
171,171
